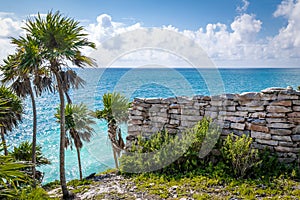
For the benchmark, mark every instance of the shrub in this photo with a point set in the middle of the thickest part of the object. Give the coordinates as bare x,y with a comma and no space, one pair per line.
171,153
237,152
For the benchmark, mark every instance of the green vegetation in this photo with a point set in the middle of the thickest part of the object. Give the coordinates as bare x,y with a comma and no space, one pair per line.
12,113
79,123
114,113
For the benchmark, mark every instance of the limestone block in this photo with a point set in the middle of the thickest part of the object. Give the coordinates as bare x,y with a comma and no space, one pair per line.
281,103
268,97
261,135
185,111
212,115
281,125
174,111
260,122
136,122
159,119
230,108
296,102
296,108
188,123
258,115
296,138
280,131
136,112
152,100
282,138
234,119
276,120
216,103
278,109
250,109
174,122
174,106
238,126
262,146
294,115
252,103
287,149
286,144
194,118
276,115
257,128
288,97
250,96
133,117
268,142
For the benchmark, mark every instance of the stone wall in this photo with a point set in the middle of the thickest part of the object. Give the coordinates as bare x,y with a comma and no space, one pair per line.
271,117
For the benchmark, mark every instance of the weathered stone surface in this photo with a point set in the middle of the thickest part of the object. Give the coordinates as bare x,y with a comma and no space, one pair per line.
136,112
250,96
296,108
252,103
260,122
280,131
294,115
238,126
258,128
286,96
188,123
268,142
276,120
188,111
282,138
286,144
287,149
237,113
174,111
281,125
250,109
159,119
174,106
276,115
211,114
268,97
152,100
273,90
281,103
296,102
216,103
135,122
133,117
174,122
194,118
258,115
234,119
261,135
278,109
230,108
262,146
296,138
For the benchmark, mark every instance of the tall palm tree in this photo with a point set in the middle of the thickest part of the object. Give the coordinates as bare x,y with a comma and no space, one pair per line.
12,116
114,112
60,39
79,123
18,70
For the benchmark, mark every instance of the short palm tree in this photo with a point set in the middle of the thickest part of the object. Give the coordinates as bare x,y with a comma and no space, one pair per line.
12,116
114,112
18,70
79,123
60,39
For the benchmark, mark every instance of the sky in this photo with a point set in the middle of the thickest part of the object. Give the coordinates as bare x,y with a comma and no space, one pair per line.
233,33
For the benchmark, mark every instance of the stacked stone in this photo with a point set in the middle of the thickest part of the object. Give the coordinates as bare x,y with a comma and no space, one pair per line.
270,117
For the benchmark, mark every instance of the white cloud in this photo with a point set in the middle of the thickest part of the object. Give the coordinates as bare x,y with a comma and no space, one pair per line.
244,7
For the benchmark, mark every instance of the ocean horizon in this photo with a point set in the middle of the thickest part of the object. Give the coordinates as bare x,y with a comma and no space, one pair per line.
134,82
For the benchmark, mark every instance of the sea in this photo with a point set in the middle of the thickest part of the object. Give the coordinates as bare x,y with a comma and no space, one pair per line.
97,154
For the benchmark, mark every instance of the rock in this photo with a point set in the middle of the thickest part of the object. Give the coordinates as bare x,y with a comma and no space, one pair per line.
280,131
282,138
281,103
152,100
258,128
278,109
276,115
234,119
296,108
287,149
286,144
296,102
268,142
250,109
294,115
280,125
260,122
276,120
287,97
272,90
261,135
238,126
250,96
296,138
258,115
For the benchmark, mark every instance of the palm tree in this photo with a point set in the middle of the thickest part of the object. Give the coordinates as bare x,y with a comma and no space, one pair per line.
79,123
115,107
12,116
60,39
17,71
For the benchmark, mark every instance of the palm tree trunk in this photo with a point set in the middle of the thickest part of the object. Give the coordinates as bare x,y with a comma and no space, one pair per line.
33,136
79,163
62,172
112,133
3,141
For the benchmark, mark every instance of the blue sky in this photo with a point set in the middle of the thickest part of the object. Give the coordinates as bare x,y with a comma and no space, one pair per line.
270,25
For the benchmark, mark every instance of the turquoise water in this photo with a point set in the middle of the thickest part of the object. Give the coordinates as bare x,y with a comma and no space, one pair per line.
97,155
